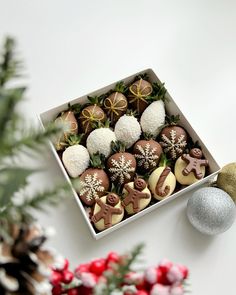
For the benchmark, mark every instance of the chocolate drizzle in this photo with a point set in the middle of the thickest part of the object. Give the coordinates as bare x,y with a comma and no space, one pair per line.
194,163
135,194
107,210
160,190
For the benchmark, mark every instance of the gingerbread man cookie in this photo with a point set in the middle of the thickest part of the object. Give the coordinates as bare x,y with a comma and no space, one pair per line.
190,168
107,211
136,196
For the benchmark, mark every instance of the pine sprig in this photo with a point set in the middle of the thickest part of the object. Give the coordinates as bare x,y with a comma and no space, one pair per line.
9,65
116,276
16,138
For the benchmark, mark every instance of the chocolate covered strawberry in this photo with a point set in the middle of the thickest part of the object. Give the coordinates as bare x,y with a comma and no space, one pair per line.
94,182
115,104
92,114
147,154
173,139
69,125
138,92
121,166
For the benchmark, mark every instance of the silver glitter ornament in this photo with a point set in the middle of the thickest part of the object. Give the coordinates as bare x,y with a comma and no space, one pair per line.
211,210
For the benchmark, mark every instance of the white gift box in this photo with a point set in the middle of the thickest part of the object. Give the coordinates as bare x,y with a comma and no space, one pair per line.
171,108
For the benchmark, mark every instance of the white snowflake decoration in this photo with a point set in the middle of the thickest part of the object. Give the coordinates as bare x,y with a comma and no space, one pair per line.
147,157
173,146
91,186
121,169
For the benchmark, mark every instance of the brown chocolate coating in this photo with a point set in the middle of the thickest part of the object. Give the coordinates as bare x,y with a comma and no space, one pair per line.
106,211
147,154
194,163
115,105
90,115
135,194
139,90
121,168
173,141
160,190
112,199
140,184
68,120
94,183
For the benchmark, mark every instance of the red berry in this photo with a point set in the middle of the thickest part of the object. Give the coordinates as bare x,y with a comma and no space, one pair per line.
141,292
82,268
67,276
73,291
112,257
98,266
56,278
56,290
161,277
184,270
165,266
85,291
66,264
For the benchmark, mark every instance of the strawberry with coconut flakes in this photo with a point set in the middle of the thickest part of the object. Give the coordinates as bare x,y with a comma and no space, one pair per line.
76,157
99,140
127,130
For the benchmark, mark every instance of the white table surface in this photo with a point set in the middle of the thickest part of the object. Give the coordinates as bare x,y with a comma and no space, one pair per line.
73,47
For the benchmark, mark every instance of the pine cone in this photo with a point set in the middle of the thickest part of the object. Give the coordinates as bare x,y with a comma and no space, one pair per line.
24,264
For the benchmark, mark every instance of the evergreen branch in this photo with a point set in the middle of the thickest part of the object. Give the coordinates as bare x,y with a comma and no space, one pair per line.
42,199
9,65
12,179
34,139
116,278
9,98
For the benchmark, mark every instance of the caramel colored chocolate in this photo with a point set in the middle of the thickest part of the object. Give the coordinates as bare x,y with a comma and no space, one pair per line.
115,105
89,116
139,91
94,183
147,154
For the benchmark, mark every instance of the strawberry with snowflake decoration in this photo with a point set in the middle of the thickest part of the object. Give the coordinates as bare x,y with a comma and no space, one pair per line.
147,153
94,182
121,166
173,138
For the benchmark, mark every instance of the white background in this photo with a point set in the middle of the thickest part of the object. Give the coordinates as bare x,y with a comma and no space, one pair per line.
71,48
